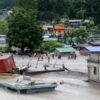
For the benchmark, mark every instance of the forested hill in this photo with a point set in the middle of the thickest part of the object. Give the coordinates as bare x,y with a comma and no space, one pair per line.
6,4
56,9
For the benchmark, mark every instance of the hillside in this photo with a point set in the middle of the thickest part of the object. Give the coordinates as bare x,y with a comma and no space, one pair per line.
6,4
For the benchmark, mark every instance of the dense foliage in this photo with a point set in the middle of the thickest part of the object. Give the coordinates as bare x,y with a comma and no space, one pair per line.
77,36
3,27
6,4
50,46
24,30
56,9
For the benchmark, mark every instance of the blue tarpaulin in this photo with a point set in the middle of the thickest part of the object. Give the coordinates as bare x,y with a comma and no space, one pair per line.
93,48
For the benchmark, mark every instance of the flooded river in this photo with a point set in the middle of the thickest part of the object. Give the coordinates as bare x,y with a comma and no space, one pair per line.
74,88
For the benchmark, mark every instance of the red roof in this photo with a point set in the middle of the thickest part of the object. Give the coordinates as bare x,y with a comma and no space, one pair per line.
59,27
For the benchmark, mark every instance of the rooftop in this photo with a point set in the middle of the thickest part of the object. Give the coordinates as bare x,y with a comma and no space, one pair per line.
59,27
65,50
93,49
76,20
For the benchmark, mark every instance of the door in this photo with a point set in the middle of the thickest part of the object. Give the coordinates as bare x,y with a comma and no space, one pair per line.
94,73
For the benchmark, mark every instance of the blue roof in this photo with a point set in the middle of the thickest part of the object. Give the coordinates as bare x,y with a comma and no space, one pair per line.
93,49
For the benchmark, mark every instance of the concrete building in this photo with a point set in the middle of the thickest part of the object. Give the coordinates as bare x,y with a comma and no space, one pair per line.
95,43
3,43
75,23
65,51
59,29
93,63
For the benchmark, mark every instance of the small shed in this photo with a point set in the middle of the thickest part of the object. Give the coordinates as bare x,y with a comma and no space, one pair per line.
93,63
6,63
65,51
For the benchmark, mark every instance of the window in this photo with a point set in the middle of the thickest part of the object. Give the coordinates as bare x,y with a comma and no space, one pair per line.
95,70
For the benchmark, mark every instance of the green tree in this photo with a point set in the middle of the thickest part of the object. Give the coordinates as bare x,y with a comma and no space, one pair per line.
3,27
27,4
51,46
52,9
80,14
6,4
24,31
95,5
81,35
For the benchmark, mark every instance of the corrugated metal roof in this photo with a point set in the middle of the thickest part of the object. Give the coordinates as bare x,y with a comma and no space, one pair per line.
93,48
65,50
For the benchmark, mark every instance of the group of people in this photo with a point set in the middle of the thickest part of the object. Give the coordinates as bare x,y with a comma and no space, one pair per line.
72,56
47,56
44,56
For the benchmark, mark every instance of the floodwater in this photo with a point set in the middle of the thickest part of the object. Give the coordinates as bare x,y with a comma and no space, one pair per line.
75,87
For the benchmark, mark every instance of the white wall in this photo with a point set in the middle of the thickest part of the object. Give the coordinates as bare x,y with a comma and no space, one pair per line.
94,57
91,74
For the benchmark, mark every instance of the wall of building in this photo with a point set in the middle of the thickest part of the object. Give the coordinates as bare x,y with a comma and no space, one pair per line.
3,43
94,57
94,71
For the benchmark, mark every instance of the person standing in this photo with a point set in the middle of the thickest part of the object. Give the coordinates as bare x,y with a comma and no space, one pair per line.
53,56
48,58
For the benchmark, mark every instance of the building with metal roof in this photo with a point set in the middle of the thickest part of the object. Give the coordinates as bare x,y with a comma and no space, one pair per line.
65,50
93,49
93,63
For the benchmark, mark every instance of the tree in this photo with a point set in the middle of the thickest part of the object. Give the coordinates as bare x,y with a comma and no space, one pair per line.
81,35
6,4
24,31
80,14
52,9
3,27
50,46
27,4
95,5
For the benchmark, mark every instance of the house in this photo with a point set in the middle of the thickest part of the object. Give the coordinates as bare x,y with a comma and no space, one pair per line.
95,43
75,23
65,51
93,63
88,21
47,29
59,29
